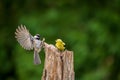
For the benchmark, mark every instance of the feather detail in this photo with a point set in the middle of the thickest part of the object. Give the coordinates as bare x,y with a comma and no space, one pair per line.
37,59
24,37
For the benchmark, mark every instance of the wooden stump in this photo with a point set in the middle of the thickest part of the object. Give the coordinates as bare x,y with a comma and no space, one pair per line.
58,65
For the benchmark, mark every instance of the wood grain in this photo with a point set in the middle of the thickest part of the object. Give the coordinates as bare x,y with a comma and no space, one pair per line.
58,65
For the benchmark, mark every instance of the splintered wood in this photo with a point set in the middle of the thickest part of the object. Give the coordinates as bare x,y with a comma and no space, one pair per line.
58,65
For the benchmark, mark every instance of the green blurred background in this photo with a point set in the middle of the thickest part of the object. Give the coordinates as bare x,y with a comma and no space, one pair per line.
90,28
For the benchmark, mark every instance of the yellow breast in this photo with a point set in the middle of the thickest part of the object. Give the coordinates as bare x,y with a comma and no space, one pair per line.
60,46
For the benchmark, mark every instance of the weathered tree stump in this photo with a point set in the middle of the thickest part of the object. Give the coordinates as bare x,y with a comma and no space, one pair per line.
58,65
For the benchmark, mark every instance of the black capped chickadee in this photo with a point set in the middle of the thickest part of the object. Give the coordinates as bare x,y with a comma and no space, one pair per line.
28,42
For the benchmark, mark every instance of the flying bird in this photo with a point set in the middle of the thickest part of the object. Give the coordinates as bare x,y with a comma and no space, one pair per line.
29,42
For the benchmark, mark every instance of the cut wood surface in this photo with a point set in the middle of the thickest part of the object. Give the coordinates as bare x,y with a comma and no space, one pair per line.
58,65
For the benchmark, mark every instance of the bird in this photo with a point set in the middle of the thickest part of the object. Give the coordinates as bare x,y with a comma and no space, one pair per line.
60,44
29,42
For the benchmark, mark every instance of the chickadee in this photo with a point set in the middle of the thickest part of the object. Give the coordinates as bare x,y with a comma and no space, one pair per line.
28,42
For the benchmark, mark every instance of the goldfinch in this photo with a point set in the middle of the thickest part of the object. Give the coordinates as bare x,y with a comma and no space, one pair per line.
60,44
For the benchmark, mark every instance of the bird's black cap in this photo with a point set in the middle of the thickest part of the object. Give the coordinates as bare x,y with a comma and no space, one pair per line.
38,35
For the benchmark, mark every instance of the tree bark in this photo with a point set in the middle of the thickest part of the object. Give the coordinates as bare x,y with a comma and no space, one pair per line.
58,65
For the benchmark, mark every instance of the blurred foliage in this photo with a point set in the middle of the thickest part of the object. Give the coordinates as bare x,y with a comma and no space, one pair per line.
89,28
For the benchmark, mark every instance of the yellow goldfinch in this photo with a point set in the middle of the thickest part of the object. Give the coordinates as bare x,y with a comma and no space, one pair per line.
60,44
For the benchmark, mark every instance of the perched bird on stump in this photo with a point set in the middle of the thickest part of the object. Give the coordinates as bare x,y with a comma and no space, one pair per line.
60,44
29,42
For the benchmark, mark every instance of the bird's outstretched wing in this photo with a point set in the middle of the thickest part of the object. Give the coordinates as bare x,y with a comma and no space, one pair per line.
24,37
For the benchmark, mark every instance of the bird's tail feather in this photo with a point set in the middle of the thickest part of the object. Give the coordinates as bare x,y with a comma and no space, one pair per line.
37,59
